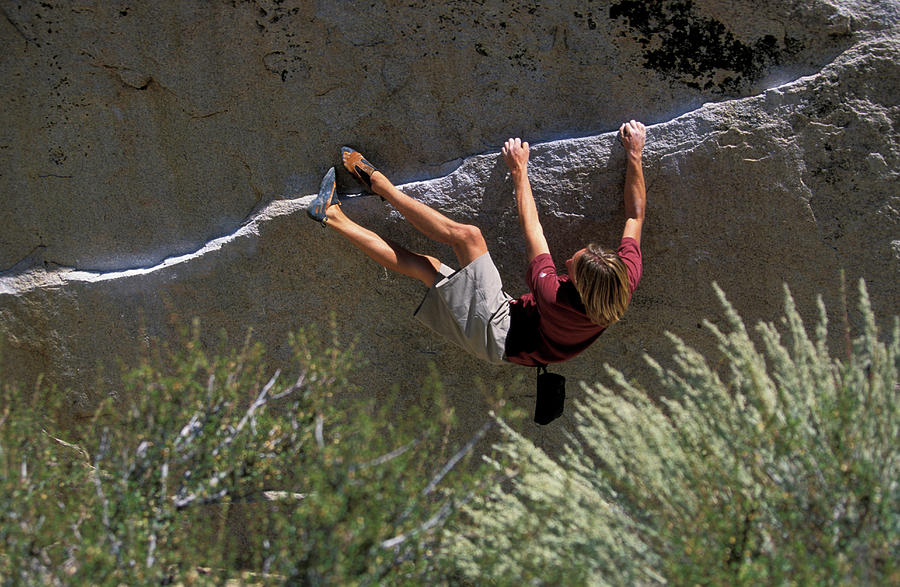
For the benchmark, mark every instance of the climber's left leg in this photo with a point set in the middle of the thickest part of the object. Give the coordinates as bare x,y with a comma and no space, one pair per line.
383,251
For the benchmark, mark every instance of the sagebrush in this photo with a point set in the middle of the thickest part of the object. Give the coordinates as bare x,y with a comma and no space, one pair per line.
213,465
774,463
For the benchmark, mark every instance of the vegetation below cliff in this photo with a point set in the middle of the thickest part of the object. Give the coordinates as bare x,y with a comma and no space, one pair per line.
772,465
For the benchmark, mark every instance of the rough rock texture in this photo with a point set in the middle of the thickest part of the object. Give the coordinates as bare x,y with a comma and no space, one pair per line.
155,162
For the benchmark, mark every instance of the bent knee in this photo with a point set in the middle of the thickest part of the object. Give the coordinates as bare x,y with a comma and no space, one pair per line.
467,233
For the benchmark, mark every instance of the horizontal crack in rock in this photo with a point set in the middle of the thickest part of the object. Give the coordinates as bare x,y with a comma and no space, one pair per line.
11,281
31,277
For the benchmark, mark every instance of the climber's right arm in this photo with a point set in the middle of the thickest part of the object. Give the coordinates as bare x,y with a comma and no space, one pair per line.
633,135
515,153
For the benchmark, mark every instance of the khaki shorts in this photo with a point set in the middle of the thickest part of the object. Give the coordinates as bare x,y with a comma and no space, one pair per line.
470,308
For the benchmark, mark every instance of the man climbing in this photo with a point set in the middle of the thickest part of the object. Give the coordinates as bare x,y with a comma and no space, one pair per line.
560,316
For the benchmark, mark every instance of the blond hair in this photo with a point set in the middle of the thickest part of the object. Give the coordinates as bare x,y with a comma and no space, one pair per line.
602,282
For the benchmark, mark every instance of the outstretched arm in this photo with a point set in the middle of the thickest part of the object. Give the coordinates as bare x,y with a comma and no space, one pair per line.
515,153
633,135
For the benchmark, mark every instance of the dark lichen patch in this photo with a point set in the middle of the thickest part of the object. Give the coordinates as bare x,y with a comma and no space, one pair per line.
698,51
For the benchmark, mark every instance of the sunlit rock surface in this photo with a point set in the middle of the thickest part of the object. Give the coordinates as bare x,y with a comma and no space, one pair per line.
155,164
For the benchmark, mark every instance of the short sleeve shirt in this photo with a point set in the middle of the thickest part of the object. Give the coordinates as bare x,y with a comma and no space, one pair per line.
549,324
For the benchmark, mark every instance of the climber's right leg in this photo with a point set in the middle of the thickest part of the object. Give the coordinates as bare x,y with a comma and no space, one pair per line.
465,240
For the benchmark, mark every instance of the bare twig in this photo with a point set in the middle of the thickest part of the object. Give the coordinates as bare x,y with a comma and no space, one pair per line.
448,506
445,510
263,496
427,525
258,402
74,447
432,485
320,437
300,381
190,430
386,457
110,533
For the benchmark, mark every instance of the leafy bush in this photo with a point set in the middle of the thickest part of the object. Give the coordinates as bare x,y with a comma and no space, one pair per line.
779,465
774,463
219,467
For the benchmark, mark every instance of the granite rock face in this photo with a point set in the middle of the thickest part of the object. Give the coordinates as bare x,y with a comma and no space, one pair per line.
155,163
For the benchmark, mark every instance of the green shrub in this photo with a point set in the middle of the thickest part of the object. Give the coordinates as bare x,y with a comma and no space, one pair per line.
779,465
216,467
767,466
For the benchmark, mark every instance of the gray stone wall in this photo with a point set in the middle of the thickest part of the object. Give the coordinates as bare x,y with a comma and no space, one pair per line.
156,159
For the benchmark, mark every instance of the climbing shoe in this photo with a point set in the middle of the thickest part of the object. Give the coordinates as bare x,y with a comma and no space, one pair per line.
357,165
326,197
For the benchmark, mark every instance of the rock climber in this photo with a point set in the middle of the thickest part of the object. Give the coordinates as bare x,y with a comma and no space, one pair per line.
559,317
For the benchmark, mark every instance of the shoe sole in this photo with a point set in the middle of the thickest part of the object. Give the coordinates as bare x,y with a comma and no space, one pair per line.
317,207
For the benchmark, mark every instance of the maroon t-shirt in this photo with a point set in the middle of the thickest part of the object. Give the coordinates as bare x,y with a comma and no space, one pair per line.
549,325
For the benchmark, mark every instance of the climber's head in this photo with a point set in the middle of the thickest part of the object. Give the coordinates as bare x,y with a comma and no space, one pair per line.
600,277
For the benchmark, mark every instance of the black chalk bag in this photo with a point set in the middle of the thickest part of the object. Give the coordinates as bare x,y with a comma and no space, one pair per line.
551,396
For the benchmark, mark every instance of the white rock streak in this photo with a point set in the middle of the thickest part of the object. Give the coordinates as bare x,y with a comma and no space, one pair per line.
21,282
